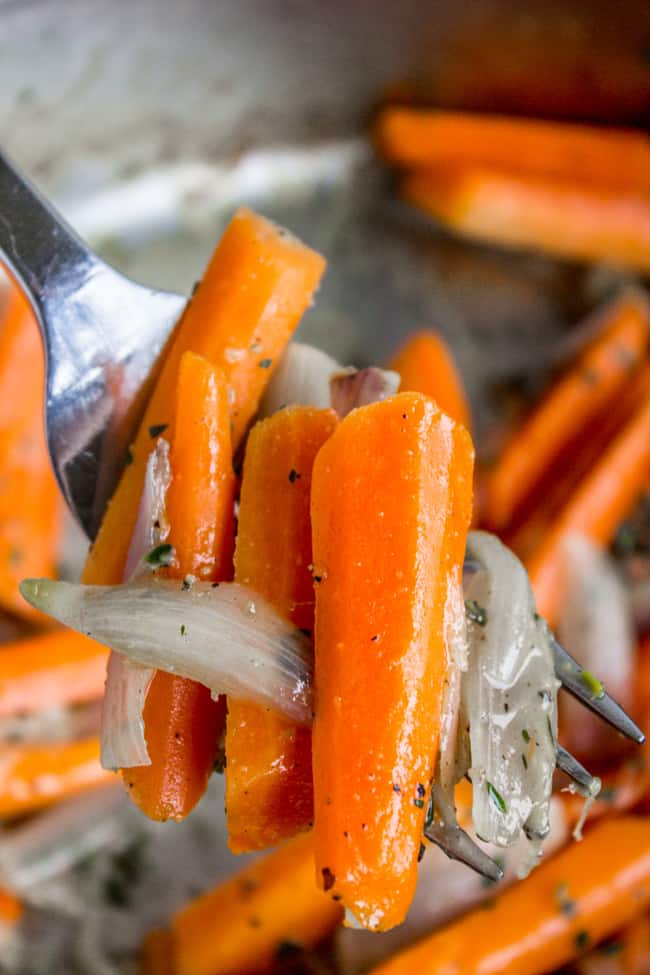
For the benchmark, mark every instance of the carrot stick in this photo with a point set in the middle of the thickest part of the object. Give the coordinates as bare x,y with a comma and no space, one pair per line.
426,365
11,909
182,722
590,385
36,775
570,219
57,667
269,793
244,924
29,498
605,880
596,508
391,504
255,289
613,157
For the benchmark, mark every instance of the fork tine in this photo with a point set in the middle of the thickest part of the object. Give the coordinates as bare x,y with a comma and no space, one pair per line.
457,845
586,782
576,681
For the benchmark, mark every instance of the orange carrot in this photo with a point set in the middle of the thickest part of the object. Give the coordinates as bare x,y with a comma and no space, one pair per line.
11,909
182,722
29,498
590,385
259,282
564,219
269,793
596,508
244,924
56,667
36,775
391,504
613,157
426,365
606,881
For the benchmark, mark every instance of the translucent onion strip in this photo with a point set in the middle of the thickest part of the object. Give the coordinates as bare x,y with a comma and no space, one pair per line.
351,388
301,379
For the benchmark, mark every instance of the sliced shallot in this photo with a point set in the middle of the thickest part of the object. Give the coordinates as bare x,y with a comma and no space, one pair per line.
351,388
301,379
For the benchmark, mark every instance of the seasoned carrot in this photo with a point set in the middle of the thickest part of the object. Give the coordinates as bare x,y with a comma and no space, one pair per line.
36,775
612,157
596,508
391,504
256,287
55,667
11,909
269,793
426,365
182,722
592,384
29,497
564,219
606,881
244,924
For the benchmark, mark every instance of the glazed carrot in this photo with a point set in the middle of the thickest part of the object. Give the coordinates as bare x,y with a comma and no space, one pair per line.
182,722
36,775
570,220
11,909
590,385
56,667
269,793
426,365
391,504
29,498
421,138
596,508
256,287
606,881
243,925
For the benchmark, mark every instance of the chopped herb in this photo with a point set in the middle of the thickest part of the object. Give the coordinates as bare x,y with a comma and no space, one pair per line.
581,940
396,788
195,288
496,798
328,878
373,639
421,852
160,555
421,791
564,902
183,629
525,735
265,363
418,803
129,458
287,949
157,428
477,614
592,683
317,578
525,761
293,476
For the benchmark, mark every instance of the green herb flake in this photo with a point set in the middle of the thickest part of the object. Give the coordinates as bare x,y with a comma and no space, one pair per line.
477,614
525,761
581,940
418,803
566,904
496,798
421,852
129,458
160,555
265,363
293,476
525,735
183,629
156,429
592,683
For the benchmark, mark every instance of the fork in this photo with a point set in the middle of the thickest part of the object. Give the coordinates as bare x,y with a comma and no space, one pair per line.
102,336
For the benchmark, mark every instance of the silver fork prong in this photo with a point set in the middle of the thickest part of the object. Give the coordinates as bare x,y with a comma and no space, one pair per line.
588,784
457,845
578,682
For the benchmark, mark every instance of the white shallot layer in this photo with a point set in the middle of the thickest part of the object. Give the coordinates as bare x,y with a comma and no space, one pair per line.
301,379
351,388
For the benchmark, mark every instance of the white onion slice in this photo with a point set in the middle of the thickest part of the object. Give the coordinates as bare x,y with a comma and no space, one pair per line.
151,524
509,697
301,379
350,388
224,636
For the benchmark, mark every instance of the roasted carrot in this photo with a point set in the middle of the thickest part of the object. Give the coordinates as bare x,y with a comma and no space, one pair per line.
590,385
56,667
596,508
182,722
244,924
256,287
567,219
426,365
29,498
36,775
269,793
612,157
391,504
11,909
605,880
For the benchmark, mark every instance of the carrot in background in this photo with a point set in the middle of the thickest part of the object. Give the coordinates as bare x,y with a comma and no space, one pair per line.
605,880
566,219
422,138
426,365
269,792
255,289
391,504
182,722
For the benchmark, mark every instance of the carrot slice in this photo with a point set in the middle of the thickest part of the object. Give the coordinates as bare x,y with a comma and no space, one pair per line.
596,508
11,909
29,498
245,924
182,722
391,504
421,138
57,667
426,365
33,776
593,383
605,880
269,793
565,219
255,289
